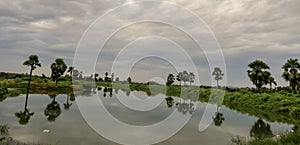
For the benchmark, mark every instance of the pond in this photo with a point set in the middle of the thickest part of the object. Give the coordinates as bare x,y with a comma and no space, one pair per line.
57,119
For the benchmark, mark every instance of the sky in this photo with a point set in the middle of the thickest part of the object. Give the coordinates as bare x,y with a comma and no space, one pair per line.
245,30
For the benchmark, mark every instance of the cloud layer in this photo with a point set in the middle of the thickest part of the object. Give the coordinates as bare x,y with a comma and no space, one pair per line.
245,29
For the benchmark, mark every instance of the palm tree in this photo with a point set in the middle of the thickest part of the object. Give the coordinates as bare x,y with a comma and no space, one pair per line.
58,69
170,79
271,81
258,73
32,62
291,73
24,116
179,77
191,77
106,78
70,70
218,75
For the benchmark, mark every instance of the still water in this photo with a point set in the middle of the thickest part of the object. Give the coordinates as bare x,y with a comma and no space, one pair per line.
56,119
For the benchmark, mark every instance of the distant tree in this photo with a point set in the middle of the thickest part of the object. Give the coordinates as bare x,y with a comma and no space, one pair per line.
106,77
96,76
218,75
271,81
191,77
112,77
291,73
170,80
117,79
76,73
185,77
70,70
179,77
258,73
170,102
32,62
129,80
58,69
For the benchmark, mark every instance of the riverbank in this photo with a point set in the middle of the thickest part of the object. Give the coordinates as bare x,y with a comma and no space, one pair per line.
273,106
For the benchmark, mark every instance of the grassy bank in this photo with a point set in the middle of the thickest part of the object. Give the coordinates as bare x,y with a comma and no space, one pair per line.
292,138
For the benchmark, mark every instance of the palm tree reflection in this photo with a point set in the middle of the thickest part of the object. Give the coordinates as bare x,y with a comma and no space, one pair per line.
67,105
219,118
52,110
24,116
170,102
184,107
261,130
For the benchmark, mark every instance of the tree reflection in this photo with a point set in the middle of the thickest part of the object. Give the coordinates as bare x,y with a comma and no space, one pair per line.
219,118
261,130
24,116
52,110
67,105
170,102
184,107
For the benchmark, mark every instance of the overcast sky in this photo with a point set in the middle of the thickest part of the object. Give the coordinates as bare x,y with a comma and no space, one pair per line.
246,30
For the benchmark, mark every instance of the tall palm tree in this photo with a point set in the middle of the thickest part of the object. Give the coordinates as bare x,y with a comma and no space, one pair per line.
112,77
271,81
258,73
291,73
218,75
58,69
32,62
191,77
261,130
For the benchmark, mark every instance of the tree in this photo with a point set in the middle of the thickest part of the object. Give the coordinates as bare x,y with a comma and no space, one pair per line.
179,77
191,77
170,80
32,62
58,69
258,73
96,76
129,80
218,75
218,119
112,77
106,78
291,73
117,79
185,76
70,70
271,81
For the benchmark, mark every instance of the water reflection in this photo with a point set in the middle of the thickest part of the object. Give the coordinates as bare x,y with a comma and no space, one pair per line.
67,105
170,102
185,107
219,118
261,130
24,115
52,110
